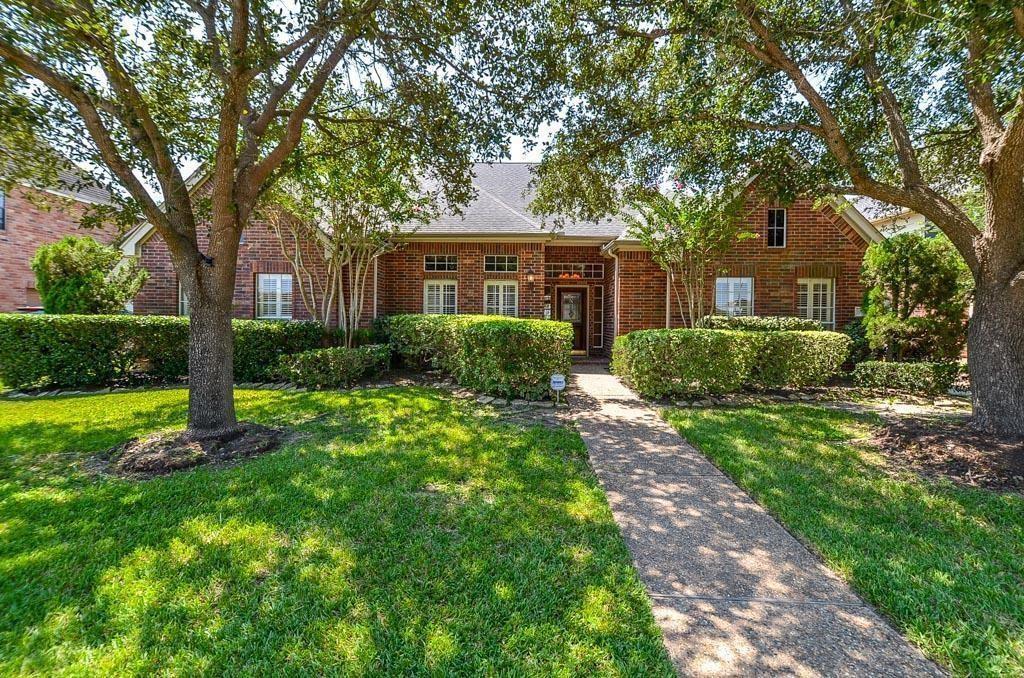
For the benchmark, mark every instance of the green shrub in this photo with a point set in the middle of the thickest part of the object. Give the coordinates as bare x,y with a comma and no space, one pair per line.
512,357
259,345
61,350
660,363
800,359
95,350
78,274
337,367
860,348
682,362
924,377
754,323
918,291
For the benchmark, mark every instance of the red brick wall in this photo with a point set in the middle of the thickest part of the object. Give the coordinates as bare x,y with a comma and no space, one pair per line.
259,252
29,225
401,275
820,244
641,292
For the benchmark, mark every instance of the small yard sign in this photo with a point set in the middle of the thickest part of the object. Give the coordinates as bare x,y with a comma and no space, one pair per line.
557,382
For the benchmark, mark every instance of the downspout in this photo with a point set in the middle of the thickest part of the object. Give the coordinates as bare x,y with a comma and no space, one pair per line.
615,296
375,259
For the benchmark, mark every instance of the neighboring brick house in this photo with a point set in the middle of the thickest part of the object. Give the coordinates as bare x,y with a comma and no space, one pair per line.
29,218
498,258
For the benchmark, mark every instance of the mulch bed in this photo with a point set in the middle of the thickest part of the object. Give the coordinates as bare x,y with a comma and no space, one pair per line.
163,453
952,449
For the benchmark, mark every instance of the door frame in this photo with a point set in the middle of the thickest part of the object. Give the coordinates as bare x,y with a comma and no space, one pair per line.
586,313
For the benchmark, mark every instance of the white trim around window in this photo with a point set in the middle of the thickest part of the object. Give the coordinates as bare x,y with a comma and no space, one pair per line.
775,230
182,301
501,297
274,296
816,300
501,263
447,263
734,296
440,297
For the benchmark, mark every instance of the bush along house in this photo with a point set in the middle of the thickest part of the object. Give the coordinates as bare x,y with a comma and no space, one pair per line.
497,258
34,216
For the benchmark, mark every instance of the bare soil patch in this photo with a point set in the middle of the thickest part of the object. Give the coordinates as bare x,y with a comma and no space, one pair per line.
952,449
163,453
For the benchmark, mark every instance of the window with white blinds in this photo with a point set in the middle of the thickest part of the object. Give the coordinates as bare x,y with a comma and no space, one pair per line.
501,297
440,297
816,300
274,296
734,296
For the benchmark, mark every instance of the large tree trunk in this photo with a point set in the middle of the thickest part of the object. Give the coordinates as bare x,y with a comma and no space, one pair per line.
210,285
211,404
995,356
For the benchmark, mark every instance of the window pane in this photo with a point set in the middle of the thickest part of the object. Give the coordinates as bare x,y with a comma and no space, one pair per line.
501,263
449,298
815,300
274,296
440,262
509,301
734,296
776,227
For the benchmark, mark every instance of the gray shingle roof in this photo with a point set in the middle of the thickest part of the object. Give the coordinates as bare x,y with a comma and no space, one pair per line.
501,207
69,180
73,183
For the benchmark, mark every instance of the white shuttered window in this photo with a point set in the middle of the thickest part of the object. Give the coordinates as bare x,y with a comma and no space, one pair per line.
274,296
501,297
734,296
440,297
816,300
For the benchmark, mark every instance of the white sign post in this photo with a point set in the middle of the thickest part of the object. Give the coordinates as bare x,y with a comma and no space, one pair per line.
557,385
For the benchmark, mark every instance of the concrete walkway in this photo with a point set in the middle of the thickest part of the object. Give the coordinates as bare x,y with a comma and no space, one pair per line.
733,592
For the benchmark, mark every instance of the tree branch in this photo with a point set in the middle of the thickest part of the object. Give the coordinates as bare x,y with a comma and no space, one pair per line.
293,128
101,136
905,153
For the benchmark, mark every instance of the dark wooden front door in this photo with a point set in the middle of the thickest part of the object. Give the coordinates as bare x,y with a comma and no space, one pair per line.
572,308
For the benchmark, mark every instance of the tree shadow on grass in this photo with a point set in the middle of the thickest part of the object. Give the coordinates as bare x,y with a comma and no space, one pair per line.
399,532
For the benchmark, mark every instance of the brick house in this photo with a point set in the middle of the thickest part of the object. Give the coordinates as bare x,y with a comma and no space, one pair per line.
29,218
498,258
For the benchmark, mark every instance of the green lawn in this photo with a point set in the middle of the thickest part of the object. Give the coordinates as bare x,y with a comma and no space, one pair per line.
946,565
400,532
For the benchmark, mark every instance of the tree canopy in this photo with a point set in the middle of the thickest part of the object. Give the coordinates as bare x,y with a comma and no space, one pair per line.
915,103
142,89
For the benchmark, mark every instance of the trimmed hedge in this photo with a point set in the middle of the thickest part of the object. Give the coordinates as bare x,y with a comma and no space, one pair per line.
754,323
923,377
96,350
684,362
338,367
800,359
660,363
510,357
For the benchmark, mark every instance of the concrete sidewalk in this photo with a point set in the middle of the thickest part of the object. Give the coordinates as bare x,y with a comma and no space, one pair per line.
733,592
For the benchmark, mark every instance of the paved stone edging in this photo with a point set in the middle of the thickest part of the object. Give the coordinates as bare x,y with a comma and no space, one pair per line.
733,591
